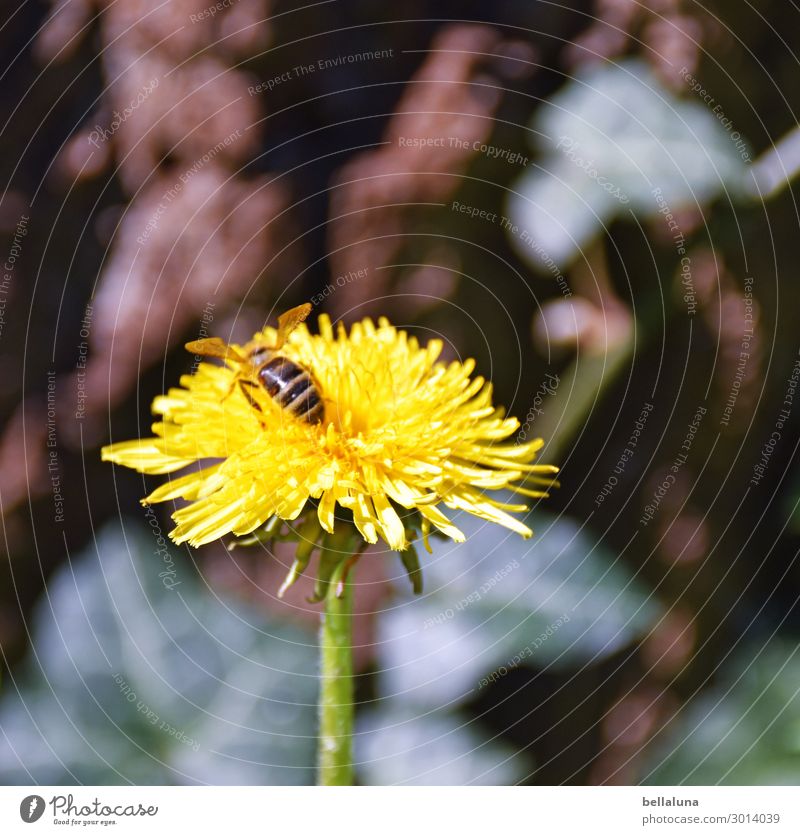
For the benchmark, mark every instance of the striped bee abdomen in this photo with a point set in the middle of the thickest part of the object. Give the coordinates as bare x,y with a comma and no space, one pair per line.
292,388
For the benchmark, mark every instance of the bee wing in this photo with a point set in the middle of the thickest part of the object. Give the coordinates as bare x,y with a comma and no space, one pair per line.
214,347
288,321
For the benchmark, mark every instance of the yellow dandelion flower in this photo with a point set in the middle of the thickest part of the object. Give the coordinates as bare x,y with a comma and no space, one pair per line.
402,434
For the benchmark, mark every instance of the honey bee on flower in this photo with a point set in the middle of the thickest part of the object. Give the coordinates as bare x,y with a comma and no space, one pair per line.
368,421
289,385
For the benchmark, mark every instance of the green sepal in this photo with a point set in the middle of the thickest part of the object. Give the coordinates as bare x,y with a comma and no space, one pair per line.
346,573
266,533
307,535
299,565
413,569
329,561
344,545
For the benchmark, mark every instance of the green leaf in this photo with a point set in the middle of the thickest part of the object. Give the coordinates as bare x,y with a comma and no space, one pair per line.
410,561
608,139
267,533
744,731
132,681
329,560
560,601
307,535
399,746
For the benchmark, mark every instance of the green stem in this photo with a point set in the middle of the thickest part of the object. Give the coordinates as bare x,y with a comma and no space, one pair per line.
336,697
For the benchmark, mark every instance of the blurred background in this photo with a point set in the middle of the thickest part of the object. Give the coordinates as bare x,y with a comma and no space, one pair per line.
594,199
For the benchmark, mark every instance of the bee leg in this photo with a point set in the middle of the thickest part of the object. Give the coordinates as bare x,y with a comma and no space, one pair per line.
230,391
244,385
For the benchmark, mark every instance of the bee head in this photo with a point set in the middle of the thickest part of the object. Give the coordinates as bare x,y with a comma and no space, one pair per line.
260,354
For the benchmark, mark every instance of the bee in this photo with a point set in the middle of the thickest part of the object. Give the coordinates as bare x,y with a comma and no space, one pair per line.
291,386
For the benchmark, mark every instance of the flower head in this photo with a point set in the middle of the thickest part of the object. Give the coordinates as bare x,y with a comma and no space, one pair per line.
403,435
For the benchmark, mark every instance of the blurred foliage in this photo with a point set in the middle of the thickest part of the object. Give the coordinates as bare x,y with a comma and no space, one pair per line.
134,680
653,648
491,597
402,747
743,731
608,139
492,604
130,680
